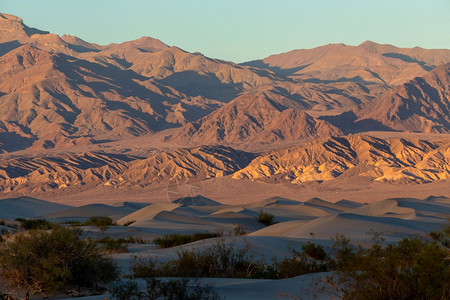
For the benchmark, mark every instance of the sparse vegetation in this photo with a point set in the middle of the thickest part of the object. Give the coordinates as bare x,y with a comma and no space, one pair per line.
183,288
48,261
29,224
175,239
110,245
74,223
129,223
266,218
314,251
411,269
100,222
310,260
223,259
239,230
227,259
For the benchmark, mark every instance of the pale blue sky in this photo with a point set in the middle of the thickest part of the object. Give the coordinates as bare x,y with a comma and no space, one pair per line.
242,30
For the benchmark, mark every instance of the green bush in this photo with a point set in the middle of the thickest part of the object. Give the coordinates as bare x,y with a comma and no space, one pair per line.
183,288
110,245
175,239
29,224
314,251
299,264
129,223
410,269
74,223
100,222
44,262
219,260
239,230
226,259
266,218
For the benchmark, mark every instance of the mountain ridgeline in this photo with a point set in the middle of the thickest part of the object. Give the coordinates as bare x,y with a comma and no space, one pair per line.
78,116
79,93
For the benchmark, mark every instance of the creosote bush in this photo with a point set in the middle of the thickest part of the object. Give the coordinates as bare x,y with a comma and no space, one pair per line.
110,245
266,218
100,222
129,223
222,259
175,239
183,288
239,230
50,261
311,259
29,224
230,260
411,269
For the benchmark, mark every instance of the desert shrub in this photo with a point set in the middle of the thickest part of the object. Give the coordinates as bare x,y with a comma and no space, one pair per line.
145,267
175,239
266,218
127,291
223,259
314,251
136,240
2,223
100,222
129,223
110,245
220,260
183,288
46,262
29,224
239,230
311,259
411,269
229,260
74,223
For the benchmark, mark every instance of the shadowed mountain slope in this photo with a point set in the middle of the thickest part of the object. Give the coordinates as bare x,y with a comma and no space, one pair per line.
254,120
421,105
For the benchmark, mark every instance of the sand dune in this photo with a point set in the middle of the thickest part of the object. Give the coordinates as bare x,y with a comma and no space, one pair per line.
148,212
92,210
394,217
25,207
196,201
383,208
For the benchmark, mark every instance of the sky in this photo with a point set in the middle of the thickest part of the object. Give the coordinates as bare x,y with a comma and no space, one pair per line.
243,30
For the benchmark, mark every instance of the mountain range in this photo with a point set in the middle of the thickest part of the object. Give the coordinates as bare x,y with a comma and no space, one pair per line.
78,115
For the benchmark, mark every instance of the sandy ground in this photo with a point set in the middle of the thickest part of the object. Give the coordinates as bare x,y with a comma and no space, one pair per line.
299,222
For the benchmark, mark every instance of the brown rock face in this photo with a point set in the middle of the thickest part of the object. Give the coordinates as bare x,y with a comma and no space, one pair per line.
421,105
347,159
254,120
141,114
368,62
85,171
395,160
